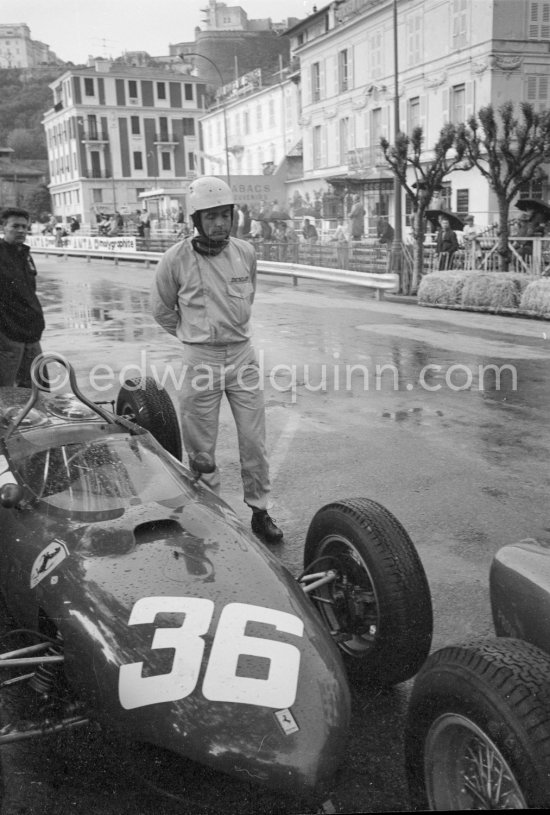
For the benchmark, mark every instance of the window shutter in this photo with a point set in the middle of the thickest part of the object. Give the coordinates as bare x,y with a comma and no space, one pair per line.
351,54
386,126
336,142
445,105
539,20
323,146
410,41
532,89
308,149
322,80
543,89
332,75
423,113
367,129
470,99
309,86
418,24
534,21
403,106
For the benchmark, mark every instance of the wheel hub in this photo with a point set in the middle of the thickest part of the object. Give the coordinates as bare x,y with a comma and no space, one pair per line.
466,770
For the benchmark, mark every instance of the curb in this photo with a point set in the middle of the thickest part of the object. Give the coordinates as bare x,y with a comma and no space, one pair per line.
411,299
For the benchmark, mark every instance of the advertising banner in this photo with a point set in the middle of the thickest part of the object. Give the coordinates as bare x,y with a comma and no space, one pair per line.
124,243
257,190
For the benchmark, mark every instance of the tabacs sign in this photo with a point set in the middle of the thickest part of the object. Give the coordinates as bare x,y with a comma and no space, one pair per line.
255,190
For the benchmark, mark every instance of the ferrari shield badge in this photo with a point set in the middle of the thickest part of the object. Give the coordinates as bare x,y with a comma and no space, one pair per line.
48,560
286,721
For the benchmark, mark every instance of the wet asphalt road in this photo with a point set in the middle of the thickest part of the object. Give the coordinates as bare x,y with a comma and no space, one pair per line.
383,399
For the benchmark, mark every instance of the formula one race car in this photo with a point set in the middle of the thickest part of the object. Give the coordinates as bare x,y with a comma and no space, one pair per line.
143,605
478,729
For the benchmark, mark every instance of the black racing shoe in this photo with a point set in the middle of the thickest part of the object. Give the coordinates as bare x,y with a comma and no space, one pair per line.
265,527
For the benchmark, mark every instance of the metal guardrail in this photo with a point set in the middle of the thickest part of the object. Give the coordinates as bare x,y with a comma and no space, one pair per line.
380,283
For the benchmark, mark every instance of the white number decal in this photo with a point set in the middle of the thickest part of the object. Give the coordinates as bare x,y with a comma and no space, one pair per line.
135,690
221,682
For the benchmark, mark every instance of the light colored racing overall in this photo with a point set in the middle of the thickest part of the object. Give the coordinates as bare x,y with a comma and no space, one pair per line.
205,301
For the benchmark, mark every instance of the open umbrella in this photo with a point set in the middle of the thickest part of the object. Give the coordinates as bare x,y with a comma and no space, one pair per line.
277,214
526,204
455,221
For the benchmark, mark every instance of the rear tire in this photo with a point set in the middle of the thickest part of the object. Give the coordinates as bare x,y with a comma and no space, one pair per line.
148,405
381,596
478,728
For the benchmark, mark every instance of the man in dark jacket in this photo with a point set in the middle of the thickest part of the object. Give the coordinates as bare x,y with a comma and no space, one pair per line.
21,317
446,244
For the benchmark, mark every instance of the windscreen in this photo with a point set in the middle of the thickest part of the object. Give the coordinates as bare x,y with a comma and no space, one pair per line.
110,473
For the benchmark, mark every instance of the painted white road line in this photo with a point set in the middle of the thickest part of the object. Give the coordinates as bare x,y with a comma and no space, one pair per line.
282,446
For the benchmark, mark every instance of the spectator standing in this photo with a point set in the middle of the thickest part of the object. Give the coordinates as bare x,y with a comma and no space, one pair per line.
446,244
74,225
145,225
281,240
203,294
256,229
309,232
246,220
112,228
342,245
240,222
386,235
471,244
357,219
21,315
236,219
385,232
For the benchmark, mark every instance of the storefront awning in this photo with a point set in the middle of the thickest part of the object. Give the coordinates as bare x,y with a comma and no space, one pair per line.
373,178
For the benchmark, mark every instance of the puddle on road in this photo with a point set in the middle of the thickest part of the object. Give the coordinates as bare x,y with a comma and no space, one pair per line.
416,413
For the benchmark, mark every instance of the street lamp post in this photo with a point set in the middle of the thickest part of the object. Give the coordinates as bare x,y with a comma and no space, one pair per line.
191,54
398,236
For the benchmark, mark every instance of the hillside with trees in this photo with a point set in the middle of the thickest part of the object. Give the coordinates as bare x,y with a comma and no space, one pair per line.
23,101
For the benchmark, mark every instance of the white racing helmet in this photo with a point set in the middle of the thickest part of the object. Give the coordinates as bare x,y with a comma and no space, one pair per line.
208,192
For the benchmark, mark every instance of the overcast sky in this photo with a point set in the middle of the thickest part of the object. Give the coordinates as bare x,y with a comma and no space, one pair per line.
76,28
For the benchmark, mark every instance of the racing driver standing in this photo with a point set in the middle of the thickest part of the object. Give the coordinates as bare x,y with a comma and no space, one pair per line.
202,294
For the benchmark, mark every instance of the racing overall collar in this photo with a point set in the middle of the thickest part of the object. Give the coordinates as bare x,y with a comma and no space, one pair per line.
204,245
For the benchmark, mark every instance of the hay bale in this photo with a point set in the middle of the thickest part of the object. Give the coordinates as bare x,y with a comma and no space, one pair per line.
441,288
493,291
536,297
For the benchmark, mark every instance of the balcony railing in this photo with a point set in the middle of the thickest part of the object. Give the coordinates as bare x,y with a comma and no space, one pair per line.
166,138
95,136
97,174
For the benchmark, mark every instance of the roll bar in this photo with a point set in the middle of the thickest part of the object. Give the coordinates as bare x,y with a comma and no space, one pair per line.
39,361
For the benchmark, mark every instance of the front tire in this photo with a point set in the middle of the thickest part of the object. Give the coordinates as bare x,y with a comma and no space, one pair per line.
478,728
379,607
147,404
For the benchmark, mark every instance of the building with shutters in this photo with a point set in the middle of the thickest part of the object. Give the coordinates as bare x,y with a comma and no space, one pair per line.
261,114
454,56
116,133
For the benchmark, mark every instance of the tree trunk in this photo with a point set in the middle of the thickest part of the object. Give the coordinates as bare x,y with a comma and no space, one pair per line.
503,234
418,256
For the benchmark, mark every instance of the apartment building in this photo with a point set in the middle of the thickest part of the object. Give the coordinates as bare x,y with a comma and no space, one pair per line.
120,136
454,56
262,125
